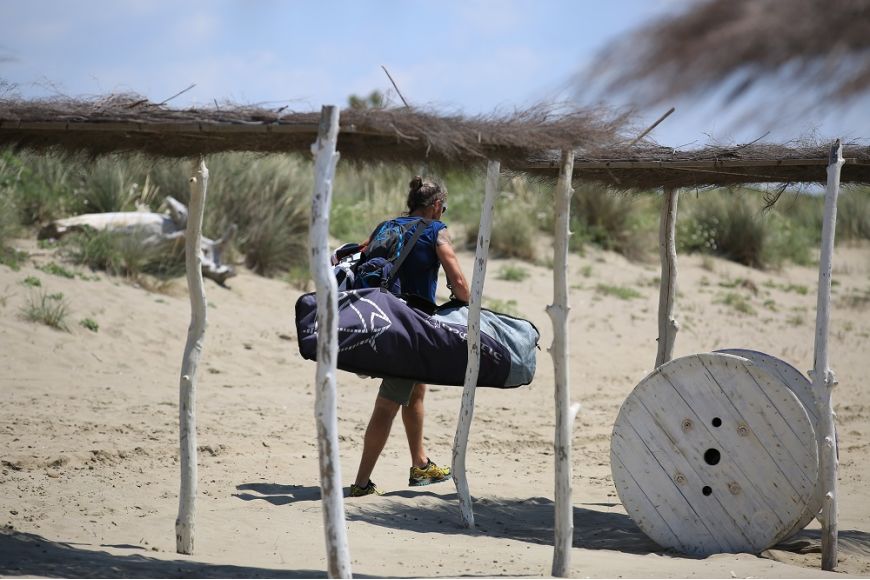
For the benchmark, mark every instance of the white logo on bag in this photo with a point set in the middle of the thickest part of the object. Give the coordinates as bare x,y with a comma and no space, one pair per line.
373,321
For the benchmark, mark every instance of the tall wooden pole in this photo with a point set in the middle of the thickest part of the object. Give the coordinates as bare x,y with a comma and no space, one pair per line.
466,412
184,523
822,375
565,411
325,160
668,327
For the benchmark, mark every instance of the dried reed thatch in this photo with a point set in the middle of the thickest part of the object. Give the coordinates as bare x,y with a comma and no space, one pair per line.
647,166
124,123
821,45
527,141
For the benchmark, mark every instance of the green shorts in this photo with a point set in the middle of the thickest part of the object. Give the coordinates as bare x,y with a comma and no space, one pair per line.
397,390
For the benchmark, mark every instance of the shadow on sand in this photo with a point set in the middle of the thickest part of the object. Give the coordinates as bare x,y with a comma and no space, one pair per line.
527,520
853,542
23,554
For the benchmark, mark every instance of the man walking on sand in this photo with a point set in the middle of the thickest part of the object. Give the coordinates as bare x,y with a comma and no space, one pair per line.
418,276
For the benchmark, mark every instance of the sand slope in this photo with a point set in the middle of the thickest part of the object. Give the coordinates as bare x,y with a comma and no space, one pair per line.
88,430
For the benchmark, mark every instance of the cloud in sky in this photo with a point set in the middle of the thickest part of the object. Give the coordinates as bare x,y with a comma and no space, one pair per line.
471,55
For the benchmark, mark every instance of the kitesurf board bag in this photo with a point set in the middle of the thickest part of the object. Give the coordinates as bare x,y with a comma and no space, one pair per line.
380,335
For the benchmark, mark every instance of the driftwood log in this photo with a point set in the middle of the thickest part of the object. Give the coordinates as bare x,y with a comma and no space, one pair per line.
155,229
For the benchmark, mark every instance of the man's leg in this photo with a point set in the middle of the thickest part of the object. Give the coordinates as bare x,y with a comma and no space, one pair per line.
376,437
412,417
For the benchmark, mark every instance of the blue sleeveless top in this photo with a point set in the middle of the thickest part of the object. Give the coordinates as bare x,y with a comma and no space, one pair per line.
419,272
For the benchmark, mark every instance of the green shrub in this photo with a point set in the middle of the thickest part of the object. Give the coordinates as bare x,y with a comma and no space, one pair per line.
56,270
90,324
613,221
32,282
51,310
38,186
9,256
732,225
736,301
12,258
621,292
124,254
299,277
268,198
513,273
106,185
786,241
364,197
514,233
853,214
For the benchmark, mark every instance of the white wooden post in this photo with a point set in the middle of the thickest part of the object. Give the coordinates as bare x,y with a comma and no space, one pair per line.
668,327
565,411
325,160
822,375
184,523
466,412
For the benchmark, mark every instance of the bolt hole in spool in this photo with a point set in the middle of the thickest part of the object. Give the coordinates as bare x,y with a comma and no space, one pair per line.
717,422
712,456
706,490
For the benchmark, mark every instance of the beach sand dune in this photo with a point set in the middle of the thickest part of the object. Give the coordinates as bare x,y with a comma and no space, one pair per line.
89,428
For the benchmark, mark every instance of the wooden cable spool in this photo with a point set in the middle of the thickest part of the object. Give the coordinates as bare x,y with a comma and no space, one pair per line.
801,386
711,453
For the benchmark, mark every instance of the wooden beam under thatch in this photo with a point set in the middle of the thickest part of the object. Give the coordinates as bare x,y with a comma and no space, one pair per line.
818,45
127,123
648,166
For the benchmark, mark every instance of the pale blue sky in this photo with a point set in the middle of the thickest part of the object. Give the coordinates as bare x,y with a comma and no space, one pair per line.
473,56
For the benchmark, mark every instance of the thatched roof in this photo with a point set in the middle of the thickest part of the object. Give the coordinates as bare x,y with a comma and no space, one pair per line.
124,123
648,166
528,141
823,46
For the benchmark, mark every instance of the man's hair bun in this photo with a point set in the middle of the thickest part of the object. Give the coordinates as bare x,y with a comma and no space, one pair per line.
416,183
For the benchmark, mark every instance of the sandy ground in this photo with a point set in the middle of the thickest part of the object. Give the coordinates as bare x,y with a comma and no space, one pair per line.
88,430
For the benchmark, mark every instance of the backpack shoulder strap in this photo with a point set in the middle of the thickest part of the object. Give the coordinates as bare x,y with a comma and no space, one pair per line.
421,225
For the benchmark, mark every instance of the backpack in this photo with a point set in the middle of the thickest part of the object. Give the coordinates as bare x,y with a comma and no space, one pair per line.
380,262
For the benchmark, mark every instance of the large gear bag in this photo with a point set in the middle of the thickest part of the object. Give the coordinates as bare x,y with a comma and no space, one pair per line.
380,335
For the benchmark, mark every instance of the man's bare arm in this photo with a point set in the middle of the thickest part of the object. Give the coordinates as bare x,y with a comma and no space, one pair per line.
448,259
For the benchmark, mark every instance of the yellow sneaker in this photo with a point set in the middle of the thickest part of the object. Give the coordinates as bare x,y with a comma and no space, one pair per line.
369,489
429,474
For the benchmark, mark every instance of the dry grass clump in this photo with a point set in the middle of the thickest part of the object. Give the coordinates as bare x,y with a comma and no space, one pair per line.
48,309
124,254
268,198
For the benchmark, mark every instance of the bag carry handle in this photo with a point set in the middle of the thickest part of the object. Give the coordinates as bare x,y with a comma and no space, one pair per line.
406,251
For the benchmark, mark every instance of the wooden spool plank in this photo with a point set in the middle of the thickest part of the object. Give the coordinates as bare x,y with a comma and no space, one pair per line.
803,390
711,453
793,378
757,402
652,518
649,421
649,486
688,447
